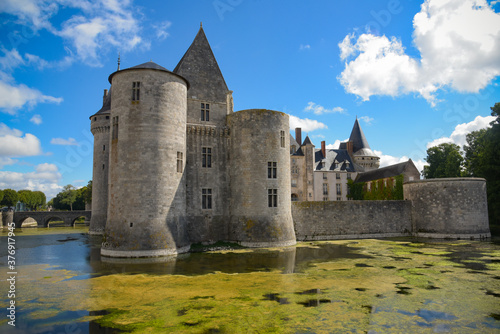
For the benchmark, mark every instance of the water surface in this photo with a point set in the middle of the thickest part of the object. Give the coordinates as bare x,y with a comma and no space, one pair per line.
360,286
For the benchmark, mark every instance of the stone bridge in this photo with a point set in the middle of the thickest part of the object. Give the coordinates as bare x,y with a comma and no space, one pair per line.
44,217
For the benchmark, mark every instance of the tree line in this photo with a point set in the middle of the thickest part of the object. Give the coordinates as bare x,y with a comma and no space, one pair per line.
70,198
34,200
389,189
480,157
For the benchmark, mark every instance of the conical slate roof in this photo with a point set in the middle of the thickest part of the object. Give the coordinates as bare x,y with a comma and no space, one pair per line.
358,138
200,68
307,141
150,65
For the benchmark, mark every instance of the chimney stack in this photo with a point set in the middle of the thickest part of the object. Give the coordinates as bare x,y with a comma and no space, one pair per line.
104,97
349,145
298,136
323,149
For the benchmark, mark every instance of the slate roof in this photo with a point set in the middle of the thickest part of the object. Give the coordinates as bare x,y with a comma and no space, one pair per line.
299,152
384,172
293,142
106,106
307,141
150,65
200,68
360,144
335,160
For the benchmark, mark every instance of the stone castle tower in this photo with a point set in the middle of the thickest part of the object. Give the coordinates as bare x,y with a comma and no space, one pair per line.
174,165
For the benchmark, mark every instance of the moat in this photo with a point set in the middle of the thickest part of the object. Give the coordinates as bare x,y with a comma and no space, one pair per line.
350,286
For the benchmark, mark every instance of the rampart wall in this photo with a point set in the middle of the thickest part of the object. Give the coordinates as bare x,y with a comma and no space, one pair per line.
439,208
351,219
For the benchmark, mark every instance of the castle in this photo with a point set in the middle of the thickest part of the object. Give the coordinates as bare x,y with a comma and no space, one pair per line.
175,165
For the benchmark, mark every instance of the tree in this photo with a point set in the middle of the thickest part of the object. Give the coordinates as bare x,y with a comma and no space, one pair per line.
26,197
41,199
482,159
1,196
68,195
444,160
10,197
355,190
88,193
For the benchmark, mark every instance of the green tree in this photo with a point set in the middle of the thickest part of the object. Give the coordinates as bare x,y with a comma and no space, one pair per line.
398,189
68,195
88,193
10,197
482,159
40,199
26,197
444,160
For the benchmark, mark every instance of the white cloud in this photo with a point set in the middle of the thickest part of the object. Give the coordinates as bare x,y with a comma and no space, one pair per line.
14,97
458,41
14,144
319,110
161,30
388,160
335,145
61,141
304,47
368,120
95,28
307,125
36,119
459,135
6,161
45,178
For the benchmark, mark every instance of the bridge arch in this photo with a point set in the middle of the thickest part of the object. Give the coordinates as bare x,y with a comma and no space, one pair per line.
49,218
43,218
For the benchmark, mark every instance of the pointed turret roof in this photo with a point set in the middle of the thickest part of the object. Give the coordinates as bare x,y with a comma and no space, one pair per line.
358,138
307,141
200,68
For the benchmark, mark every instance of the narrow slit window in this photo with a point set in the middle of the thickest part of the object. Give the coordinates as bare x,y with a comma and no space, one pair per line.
282,138
179,162
136,91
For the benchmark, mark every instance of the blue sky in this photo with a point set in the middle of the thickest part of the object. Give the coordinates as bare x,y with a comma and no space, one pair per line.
416,73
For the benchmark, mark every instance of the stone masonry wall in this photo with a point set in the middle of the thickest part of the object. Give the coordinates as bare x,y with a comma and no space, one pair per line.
330,220
256,141
449,208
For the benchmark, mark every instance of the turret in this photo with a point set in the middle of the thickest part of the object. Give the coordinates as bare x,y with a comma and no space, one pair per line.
147,191
260,179
360,150
100,126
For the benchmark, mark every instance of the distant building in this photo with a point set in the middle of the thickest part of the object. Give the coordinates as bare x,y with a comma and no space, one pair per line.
322,174
407,169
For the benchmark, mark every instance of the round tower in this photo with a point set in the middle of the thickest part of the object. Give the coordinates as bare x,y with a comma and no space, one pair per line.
260,179
147,191
99,126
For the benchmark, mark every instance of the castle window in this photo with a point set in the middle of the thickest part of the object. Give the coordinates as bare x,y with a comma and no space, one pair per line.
272,198
325,188
205,112
136,91
104,147
107,117
294,182
325,199
206,157
325,176
179,162
272,170
337,176
339,189
114,134
206,198
295,198
339,198
348,176
103,166
95,119
282,138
